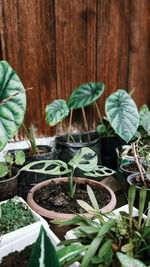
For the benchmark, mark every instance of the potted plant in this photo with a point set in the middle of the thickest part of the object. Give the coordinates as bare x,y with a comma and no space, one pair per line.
68,144
9,174
17,220
61,193
118,239
142,177
33,249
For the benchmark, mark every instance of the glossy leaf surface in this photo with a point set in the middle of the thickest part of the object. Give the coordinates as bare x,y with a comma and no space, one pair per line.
56,112
12,109
122,114
85,95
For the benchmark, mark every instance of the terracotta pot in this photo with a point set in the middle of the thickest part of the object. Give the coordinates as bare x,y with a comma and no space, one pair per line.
55,215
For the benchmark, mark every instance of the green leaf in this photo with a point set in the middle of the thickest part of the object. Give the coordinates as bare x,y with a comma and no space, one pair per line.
96,243
85,95
92,198
101,129
13,108
145,120
85,206
129,262
100,171
43,252
9,158
127,247
85,159
19,157
58,167
68,253
131,198
148,215
142,200
56,112
3,169
122,114
105,248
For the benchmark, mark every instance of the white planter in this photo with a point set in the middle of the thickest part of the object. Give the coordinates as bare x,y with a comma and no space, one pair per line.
19,233
26,239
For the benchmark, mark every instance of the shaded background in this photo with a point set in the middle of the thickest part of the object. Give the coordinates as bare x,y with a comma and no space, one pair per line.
56,45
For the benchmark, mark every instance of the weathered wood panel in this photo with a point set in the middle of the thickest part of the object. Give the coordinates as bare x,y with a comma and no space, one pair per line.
57,45
113,31
75,47
139,52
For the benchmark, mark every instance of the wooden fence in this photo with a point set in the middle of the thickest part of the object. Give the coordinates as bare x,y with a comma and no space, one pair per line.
56,45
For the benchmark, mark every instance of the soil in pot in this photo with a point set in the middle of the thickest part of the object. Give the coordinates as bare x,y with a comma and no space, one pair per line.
17,259
55,197
8,185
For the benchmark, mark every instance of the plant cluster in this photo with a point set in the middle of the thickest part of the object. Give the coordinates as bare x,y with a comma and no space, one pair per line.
120,109
14,215
18,158
110,240
85,159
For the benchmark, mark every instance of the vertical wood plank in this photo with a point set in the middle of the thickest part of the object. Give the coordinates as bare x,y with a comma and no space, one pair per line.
113,36
75,47
139,53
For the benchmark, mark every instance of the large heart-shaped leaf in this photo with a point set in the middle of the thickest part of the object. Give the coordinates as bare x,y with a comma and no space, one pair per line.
56,112
145,118
122,114
85,95
12,103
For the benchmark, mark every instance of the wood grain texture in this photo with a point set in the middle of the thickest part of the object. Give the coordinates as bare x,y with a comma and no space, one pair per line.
139,52
75,47
56,45
113,37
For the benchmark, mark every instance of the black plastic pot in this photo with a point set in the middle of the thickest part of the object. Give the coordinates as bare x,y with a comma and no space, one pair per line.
8,186
130,180
26,180
108,151
67,150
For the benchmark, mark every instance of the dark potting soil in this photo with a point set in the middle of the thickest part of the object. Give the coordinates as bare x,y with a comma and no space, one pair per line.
132,167
55,197
137,181
17,259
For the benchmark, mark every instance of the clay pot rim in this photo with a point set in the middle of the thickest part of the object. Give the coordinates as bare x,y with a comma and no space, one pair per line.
56,215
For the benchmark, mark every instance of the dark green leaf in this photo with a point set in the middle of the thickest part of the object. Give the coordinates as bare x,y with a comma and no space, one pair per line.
122,114
43,252
12,111
85,95
56,112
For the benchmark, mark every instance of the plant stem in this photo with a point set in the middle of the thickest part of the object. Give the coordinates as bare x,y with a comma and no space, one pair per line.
98,112
85,123
141,169
30,138
70,122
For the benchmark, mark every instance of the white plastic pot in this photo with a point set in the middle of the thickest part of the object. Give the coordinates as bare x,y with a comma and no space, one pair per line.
19,233
25,240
